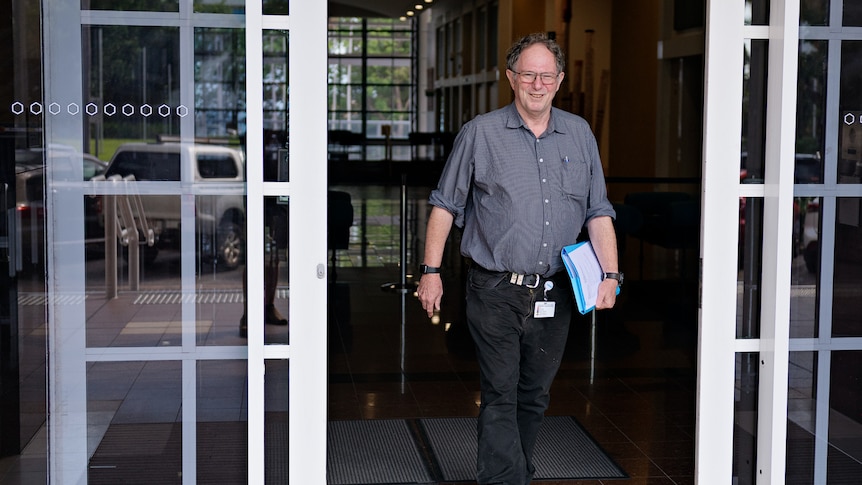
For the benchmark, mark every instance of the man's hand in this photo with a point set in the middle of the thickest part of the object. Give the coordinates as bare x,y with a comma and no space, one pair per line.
430,292
607,296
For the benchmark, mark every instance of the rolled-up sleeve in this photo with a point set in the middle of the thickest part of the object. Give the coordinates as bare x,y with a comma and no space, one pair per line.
598,204
453,189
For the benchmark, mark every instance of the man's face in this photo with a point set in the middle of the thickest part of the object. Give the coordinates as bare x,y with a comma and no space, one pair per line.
535,98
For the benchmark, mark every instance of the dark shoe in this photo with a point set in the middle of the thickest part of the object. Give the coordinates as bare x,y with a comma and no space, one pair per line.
272,317
243,327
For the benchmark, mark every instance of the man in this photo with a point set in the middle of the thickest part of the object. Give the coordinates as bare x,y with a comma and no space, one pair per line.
522,181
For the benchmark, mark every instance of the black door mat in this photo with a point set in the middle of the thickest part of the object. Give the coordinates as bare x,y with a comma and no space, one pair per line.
439,450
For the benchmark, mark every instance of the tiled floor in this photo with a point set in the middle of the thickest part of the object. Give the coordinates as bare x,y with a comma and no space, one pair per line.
632,386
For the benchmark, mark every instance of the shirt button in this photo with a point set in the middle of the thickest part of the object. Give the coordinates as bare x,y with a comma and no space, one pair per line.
541,160
547,223
544,245
547,201
544,180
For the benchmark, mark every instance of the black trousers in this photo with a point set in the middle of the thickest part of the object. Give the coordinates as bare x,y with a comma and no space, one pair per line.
518,356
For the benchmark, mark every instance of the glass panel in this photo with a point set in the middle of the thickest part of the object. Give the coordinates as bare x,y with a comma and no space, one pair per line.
852,14
844,458
150,315
801,417
276,7
222,415
276,407
345,37
756,12
220,84
221,250
345,70
134,425
750,274
811,112
814,12
276,285
754,111
850,108
132,5
131,77
805,288
847,293
275,105
745,418
345,98
222,6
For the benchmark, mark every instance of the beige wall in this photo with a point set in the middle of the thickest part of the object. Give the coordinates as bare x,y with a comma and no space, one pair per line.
635,87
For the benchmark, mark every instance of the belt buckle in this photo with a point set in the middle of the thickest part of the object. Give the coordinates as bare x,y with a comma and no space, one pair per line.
518,279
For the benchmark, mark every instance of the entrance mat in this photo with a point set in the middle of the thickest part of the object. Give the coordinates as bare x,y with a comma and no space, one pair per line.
564,450
439,450
373,452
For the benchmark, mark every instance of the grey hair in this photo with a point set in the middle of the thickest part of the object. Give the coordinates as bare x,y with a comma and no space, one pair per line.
528,40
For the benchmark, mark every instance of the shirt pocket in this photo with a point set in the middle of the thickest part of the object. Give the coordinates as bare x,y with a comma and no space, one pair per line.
575,177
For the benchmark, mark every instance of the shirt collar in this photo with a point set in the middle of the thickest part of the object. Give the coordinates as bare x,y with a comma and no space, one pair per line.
515,121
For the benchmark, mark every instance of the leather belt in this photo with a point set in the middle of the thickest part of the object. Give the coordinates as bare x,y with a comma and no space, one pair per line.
528,280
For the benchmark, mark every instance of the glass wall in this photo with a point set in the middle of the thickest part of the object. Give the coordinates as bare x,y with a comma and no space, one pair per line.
824,430
372,88
124,241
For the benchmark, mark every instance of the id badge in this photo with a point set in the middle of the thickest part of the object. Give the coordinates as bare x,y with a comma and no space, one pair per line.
544,309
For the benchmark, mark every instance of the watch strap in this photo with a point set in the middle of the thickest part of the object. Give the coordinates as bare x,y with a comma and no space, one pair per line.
615,276
425,269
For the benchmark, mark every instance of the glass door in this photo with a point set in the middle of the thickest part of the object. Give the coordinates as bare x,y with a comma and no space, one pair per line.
177,356
789,351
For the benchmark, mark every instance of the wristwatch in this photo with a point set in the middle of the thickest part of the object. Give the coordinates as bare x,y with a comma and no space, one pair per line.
425,269
615,276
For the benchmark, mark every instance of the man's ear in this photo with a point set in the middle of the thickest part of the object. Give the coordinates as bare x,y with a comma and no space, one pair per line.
511,76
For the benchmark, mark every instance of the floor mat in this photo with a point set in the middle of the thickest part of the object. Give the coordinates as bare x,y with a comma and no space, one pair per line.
373,452
563,450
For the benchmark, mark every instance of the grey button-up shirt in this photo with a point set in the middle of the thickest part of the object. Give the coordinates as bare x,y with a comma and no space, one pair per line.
519,198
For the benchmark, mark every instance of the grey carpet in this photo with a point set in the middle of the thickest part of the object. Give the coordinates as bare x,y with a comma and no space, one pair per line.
439,450
373,452
563,450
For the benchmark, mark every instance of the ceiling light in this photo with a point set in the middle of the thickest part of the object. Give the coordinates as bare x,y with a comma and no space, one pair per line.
428,1
410,13
402,18
419,7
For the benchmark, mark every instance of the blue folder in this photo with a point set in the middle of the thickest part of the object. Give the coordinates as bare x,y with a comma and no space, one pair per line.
586,274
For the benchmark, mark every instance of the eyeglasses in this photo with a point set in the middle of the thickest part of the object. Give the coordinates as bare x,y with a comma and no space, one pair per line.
530,77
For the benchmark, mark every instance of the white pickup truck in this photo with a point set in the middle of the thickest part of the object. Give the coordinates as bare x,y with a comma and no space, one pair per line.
215,174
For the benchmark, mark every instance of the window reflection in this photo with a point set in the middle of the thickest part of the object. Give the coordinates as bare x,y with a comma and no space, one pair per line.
844,457
756,12
750,274
850,110
745,418
811,112
131,76
801,416
754,111
804,270
134,426
847,291
814,12
219,87
132,5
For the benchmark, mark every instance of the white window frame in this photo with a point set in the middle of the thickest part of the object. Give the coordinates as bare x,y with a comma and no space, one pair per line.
718,345
67,425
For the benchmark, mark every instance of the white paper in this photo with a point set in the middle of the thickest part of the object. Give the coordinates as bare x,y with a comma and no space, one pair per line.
583,266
